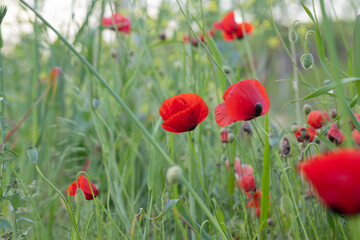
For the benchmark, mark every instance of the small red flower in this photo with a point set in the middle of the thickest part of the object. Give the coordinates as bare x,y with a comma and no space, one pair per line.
122,23
305,134
335,135
244,100
317,119
182,113
84,186
335,176
356,136
248,183
208,33
240,169
357,117
231,29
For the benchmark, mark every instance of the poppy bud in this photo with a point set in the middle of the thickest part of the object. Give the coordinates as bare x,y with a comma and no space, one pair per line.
231,137
226,69
327,81
294,127
33,154
317,140
95,103
194,42
246,127
224,135
173,174
79,197
333,113
285,146
307,60
162,36
307,109
273,140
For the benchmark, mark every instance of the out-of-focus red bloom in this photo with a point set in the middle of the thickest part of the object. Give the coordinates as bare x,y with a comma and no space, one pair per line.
307,134
357,117
244,100
231,29
84,186
224,134
335,135
194,40
248,183
254,201
208,33
182,113
186,38
335,176
356,136
122,23
240,169
317,118
257,212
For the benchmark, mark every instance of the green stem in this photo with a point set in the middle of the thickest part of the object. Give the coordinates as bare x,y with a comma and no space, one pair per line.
131,115
63,198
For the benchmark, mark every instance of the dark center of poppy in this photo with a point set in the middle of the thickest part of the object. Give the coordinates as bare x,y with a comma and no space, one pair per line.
258,109
192,128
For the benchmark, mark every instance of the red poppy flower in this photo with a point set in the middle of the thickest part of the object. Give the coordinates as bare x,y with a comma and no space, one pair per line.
335,135
335,176
84,186
224,134
122,23
305,134
244,100
248,183
240,169
356,136
231,29
208,33
317,119
183,112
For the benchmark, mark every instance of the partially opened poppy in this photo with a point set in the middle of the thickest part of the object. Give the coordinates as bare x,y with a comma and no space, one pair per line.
317,118
335,135
182,113
244,100
122,23
307,134
335,176
356,136
248,183
84,186
231,29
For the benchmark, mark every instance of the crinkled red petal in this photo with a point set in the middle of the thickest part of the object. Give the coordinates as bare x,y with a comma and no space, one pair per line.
248,29
84,186
221,116
336,178
228,36
228,23
240,102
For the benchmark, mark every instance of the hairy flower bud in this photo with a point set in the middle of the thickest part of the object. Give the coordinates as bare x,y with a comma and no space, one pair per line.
173,174
333,113
226,69
231,137
307,60
33,154
307,109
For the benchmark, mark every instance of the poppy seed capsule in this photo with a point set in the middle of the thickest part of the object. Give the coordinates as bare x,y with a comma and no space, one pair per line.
79,197
307,109
307,60
285,146
173,174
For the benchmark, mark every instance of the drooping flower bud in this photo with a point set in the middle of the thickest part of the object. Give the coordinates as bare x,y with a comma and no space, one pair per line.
173,174
246,127
226,69
307,60
307,109
285,146
33,154
294,127
79,197
224,135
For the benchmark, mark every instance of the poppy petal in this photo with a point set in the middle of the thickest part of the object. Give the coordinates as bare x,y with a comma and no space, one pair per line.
228,23
228,36
246,100
221,116
248,29
335,176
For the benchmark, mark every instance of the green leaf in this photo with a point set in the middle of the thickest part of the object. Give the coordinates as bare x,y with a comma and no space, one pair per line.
308,12
5,224
356,48
16,201
21,218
